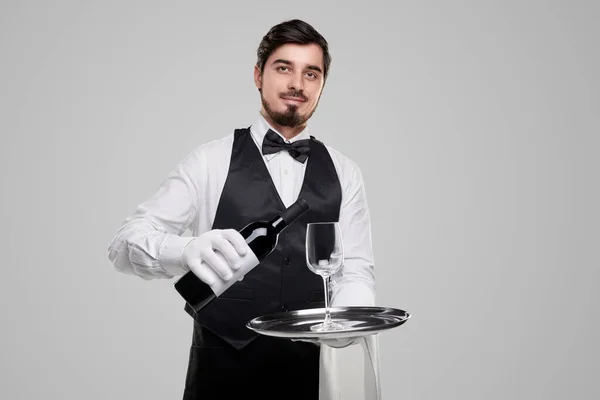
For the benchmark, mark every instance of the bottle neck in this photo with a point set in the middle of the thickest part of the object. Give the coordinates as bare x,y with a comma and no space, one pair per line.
278,224
289,215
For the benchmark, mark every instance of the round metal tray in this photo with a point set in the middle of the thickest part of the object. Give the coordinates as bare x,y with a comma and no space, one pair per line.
359,321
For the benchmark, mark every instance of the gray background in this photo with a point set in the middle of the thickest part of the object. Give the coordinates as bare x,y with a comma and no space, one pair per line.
476,127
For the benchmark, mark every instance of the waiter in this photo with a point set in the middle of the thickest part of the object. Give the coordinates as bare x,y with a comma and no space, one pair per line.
253,174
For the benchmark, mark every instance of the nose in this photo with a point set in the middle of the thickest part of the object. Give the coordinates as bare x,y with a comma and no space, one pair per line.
296,82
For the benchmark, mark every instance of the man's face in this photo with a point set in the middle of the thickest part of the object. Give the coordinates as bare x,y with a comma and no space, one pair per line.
291,83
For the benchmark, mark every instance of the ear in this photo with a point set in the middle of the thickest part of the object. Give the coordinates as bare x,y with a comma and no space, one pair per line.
257,77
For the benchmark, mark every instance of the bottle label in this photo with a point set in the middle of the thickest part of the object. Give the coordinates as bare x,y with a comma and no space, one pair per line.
247,262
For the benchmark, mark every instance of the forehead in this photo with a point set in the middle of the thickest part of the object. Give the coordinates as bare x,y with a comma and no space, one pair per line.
299,54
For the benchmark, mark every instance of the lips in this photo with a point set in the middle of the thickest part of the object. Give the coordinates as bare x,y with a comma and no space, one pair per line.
294,99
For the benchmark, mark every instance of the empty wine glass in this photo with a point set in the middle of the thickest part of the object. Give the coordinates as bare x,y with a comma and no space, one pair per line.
324,257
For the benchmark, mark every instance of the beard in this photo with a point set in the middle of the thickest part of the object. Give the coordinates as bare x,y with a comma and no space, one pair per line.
290,117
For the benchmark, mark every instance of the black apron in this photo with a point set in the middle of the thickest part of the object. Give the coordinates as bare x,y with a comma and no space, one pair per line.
227,360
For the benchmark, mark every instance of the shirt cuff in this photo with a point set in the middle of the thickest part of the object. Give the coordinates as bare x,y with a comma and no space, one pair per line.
349,294
170,256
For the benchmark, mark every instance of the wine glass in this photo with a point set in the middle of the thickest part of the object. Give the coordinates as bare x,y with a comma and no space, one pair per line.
324,257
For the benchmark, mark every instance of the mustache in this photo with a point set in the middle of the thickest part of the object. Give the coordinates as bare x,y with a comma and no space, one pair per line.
295,93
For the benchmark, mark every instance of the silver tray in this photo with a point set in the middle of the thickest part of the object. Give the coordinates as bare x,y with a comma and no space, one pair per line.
359,321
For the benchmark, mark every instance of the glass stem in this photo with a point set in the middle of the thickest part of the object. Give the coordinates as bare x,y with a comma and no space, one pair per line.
327,314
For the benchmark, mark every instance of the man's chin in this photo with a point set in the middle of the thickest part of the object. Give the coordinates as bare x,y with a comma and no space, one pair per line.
287,116
289,109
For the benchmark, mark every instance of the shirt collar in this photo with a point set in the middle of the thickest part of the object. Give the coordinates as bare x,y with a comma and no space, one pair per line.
260,127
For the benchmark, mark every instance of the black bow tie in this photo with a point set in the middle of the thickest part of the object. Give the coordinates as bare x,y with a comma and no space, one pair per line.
273,143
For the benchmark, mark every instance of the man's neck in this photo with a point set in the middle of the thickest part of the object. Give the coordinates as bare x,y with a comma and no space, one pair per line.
286,131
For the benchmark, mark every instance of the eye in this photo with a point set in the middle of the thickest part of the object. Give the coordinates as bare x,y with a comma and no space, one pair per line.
312,75
283,68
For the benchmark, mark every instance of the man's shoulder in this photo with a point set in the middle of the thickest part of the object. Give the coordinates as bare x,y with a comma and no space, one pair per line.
348,170
207,153
221,144
342,161
215,145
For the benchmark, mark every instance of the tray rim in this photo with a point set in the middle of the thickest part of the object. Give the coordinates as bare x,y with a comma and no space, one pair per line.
401,315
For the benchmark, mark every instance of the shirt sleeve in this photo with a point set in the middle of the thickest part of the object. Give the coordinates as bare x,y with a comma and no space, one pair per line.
149,242
354,284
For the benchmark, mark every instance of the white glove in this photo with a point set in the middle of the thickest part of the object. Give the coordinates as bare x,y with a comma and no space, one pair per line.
216,253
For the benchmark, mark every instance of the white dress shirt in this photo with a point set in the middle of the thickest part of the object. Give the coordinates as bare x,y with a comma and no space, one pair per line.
149,242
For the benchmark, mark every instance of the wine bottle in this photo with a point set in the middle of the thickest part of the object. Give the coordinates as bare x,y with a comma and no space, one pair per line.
261,237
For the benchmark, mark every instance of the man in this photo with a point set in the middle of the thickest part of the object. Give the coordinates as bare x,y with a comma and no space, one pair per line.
253,174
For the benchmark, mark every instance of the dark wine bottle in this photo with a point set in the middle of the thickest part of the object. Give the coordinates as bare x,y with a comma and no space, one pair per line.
261,237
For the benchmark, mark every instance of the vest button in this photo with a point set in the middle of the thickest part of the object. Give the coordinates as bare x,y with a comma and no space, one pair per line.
287,261
284,308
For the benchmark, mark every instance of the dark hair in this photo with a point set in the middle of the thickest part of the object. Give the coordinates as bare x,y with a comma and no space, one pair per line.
292,31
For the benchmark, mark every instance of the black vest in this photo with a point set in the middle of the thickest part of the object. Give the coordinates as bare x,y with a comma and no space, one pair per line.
282,281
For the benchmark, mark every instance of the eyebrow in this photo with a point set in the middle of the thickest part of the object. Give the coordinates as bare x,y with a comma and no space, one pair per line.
287,62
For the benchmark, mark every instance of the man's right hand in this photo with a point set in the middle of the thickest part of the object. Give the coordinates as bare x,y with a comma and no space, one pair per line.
216,253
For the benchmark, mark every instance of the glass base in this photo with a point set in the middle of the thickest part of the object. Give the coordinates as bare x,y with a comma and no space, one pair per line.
326,326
